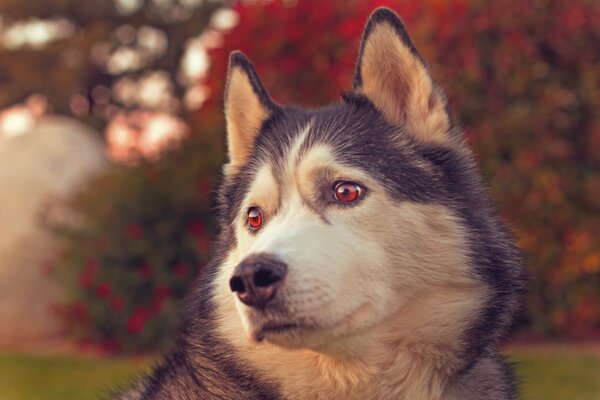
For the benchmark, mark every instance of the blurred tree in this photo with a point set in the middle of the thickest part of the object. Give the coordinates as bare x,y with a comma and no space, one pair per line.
77,53
144,230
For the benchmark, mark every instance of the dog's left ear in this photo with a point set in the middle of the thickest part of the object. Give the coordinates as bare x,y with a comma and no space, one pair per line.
247,107
393,76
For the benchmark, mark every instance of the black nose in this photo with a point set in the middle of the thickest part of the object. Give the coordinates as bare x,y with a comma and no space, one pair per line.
256,278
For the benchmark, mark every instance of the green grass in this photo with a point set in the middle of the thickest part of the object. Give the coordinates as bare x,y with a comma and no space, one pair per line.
546,375
558,375
25,377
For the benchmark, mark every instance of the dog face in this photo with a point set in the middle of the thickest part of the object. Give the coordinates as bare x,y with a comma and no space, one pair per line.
344,219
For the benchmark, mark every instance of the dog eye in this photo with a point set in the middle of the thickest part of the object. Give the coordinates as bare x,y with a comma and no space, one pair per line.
255,218
347,192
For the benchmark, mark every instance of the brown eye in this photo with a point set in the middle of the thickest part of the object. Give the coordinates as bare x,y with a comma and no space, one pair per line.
255,218
347,192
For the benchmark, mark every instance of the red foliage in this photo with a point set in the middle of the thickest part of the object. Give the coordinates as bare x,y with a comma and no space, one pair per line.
145,270
204,186
137,320
87,276
110,345
79,310
117,303
204,243
134,231
162,291
103,290
196,228
181,271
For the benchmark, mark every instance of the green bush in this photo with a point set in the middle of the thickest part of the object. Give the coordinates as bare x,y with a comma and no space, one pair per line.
140,237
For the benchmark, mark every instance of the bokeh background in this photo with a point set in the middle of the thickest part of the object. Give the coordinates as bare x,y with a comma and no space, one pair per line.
112,138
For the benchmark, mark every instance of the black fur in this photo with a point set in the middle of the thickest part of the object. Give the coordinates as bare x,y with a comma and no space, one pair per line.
237,59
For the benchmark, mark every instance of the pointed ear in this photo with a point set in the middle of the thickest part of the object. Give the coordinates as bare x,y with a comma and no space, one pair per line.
247,107
393,76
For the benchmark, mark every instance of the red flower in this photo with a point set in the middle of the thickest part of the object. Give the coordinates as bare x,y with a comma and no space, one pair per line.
156,306
204,186
79,310
196,228
102,243
85,280
89,273
204,243
137,320
103,290
145,270
162,291
111,345
181,270
117,303
134,231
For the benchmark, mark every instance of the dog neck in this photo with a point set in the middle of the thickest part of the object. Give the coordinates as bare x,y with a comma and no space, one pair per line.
407,357
376,368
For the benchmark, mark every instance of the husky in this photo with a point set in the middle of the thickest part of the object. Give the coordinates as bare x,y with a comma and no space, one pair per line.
359,255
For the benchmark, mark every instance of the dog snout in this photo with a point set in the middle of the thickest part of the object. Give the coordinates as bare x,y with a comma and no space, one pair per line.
256,279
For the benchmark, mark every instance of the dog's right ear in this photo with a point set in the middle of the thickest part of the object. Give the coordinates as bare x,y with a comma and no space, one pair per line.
247,107
393,76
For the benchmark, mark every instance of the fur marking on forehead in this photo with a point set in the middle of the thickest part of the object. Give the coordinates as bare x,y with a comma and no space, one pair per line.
264,189
295,152
272,178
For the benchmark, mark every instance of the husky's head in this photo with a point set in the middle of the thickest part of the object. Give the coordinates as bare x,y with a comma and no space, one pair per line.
364,216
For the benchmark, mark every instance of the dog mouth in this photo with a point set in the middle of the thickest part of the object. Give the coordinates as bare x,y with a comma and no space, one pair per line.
274,329
284,329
